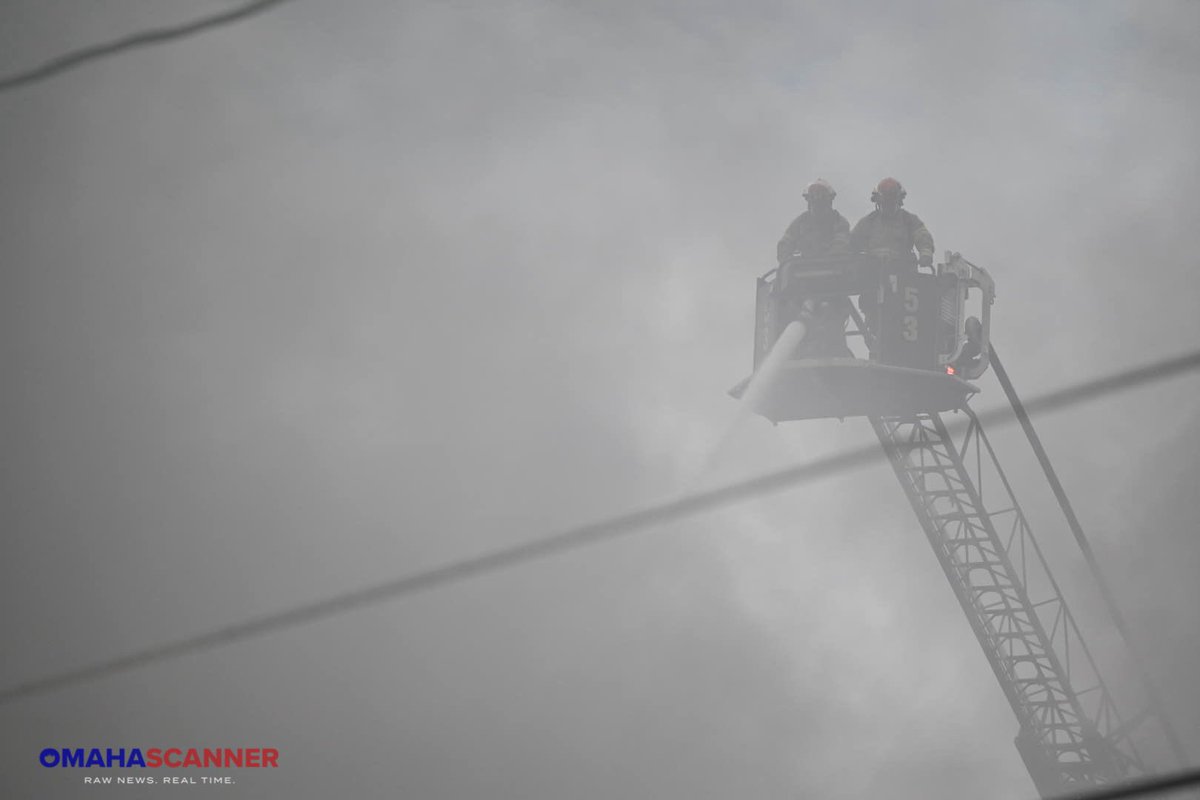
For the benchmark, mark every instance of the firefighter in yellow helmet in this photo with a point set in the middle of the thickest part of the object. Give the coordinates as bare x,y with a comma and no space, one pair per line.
890,231
819,231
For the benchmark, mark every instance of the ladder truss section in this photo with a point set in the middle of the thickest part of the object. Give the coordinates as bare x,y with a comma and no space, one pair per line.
1070,733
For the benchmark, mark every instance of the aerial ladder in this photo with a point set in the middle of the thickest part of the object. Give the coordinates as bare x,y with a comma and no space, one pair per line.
924,350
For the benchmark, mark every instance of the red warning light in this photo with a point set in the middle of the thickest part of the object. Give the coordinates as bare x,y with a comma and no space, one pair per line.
949,370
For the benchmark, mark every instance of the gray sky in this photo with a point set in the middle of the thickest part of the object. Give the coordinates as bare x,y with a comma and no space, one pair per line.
351,290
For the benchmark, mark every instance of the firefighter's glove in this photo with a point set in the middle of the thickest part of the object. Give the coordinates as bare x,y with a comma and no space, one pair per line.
926,260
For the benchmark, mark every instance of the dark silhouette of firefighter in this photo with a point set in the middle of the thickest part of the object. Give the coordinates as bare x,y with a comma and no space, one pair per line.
820,233
890,235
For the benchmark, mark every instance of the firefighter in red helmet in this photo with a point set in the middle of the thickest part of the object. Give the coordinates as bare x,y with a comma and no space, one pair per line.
890,234
890,231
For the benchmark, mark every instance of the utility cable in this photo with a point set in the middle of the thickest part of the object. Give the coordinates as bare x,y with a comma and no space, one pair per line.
154,36
566,541
1139,788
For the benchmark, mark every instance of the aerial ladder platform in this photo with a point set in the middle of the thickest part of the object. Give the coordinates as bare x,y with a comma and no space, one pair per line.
924,350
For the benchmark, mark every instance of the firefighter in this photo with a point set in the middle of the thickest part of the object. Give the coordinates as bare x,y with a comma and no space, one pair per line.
890,231
819,231
890,234
972,351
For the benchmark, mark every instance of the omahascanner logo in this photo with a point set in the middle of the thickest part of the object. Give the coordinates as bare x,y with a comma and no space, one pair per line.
158,757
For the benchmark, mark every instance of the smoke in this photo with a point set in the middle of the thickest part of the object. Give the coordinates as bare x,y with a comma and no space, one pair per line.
344,293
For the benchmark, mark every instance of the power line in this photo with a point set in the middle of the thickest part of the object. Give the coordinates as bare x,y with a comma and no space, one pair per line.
154,36
573,539
1165,783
